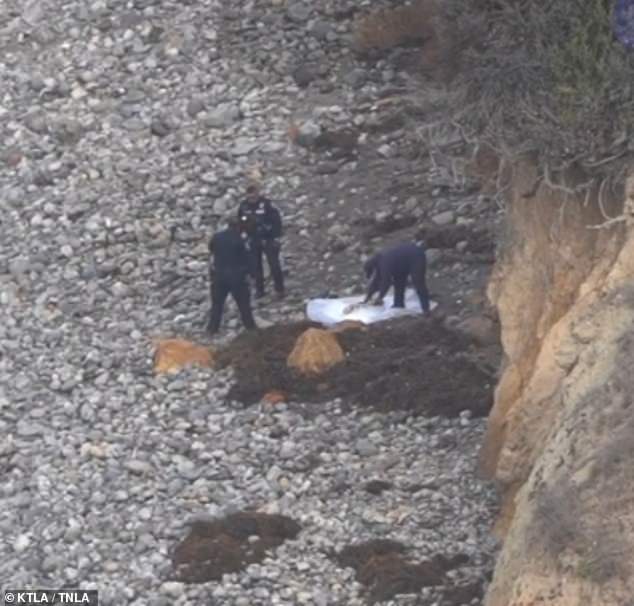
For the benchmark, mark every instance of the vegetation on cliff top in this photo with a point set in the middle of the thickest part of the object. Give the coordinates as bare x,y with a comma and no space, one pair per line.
547,78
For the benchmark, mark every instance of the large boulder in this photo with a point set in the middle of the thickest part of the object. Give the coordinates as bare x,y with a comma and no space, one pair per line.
171,355
315,352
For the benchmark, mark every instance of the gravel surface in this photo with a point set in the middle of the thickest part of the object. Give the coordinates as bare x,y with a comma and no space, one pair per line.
128,128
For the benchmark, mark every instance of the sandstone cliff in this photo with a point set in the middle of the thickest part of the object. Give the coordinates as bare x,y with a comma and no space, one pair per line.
560,438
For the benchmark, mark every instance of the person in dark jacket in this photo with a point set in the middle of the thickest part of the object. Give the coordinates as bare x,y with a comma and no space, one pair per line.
392,266
229,275
262,224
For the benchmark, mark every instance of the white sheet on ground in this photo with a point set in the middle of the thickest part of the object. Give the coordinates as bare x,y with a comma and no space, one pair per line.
332,311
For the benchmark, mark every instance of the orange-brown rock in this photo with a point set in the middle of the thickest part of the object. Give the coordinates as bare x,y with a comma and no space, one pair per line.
274,396
171,355
315,351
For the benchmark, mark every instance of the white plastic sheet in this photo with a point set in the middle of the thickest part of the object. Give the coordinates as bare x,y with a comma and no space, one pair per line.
332,311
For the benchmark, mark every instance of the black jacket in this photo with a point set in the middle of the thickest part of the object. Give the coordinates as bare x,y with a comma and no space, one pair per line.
260,220
400,260
230,255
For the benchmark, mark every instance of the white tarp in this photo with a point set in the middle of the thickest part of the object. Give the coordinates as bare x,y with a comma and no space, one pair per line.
332,311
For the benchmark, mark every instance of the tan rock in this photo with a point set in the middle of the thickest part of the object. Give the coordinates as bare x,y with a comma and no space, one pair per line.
315,351
171,355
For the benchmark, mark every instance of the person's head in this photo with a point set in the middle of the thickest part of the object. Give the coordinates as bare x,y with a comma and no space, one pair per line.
252,192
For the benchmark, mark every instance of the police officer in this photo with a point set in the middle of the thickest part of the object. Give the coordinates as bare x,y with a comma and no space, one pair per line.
392,266
229,276
262,224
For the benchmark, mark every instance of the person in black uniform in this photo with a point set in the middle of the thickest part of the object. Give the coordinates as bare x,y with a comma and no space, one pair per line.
229,276
262,224
392,266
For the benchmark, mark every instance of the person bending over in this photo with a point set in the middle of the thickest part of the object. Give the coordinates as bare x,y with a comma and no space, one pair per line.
393,266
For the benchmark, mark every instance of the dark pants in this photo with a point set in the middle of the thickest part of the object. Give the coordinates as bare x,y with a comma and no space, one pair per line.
417,273
238,287
271,250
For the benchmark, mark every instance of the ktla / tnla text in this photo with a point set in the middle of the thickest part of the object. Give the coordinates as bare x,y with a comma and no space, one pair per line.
51,596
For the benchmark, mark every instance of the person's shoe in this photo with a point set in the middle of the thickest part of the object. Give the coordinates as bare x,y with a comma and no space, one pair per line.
259,295
281,294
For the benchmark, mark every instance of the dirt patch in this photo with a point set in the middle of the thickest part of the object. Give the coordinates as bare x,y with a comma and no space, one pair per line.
478,240
383,225
381,565
217,547
377,487
413,364
462,594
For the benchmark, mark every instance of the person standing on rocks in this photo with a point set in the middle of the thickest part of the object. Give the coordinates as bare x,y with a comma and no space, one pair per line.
392,266
262,224
229,275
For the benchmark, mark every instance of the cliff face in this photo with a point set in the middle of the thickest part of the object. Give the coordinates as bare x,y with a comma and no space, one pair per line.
560,439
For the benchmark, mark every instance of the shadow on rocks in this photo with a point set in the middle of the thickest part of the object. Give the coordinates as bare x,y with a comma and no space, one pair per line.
382,567
214,548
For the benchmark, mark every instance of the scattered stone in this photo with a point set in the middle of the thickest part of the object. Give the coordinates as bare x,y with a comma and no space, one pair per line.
22,543
298,12
36,122
28,429
194,107
322,30
160,127
376,487
19,266
223,115
366,448
385,150
12,158
328,167
433,256
43,178
243,147
172,589
307,134
138,467
444,218
305,74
